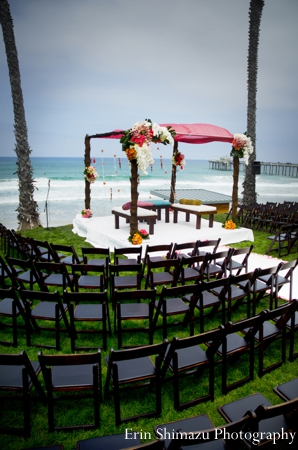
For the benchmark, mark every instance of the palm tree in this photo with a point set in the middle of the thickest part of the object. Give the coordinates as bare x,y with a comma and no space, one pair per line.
28,215
255,13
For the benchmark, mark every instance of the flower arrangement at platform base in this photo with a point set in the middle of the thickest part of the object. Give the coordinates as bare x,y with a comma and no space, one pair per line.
138,236
230,225
86,213
90,174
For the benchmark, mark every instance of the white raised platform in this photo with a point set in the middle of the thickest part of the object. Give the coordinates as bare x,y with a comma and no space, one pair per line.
100,232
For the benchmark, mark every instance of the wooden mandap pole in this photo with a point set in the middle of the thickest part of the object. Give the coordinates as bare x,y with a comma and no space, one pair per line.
87,162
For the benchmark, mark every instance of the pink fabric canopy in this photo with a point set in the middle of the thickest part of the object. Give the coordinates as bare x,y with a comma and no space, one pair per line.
199,133
195,133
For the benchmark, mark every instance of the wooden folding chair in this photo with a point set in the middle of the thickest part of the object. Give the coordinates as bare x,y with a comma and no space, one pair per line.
234,345
171,303
190,356
265,429
78,377
98,256
17,377
11,307
134,306
41,308
131,369
89,316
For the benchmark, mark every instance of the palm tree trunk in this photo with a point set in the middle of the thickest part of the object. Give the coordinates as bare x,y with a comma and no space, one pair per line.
87,162
28,215
255,14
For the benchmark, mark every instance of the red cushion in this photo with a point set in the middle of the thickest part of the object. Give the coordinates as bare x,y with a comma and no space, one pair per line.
141,204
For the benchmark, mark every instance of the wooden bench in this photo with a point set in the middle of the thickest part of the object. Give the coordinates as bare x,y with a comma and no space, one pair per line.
142,215
158,205
196,210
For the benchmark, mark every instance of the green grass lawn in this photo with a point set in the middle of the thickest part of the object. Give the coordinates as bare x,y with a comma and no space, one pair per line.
78,412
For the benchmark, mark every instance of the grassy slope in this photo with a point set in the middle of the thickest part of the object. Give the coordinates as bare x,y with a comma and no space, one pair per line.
40,434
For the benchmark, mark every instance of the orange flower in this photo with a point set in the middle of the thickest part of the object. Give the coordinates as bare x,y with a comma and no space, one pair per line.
230,225
131,153
136,239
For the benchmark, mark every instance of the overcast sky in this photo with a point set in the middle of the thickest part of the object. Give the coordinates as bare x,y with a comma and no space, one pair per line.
92,66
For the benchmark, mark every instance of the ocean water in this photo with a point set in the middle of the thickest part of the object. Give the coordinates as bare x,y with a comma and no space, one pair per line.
60,185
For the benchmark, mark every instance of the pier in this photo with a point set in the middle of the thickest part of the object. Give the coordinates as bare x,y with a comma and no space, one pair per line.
268,168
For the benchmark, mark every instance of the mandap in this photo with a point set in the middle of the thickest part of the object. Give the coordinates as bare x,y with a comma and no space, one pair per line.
197,133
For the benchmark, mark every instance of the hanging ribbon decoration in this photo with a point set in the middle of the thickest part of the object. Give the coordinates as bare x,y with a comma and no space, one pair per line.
161,162
111,194
151,167
119,162
103,164
94,160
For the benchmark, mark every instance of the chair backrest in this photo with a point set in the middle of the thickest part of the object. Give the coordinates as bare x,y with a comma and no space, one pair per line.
224,255
86,297
53,268
135,295
180,291
193,261
283,313
248,277
164,249
137,352
42,250
5,270
116,269
289,266
263,412
270,271
135,250
19,266
47,361
252,325
166,264
30,296
120,356
213,337
99,251
212,245
89,270
22,360
88,359
191,246
68,249
221,285
246,251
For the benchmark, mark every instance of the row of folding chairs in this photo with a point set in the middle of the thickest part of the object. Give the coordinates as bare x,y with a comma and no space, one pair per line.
262,424
78,313
268,216
284,241
252,420
80,375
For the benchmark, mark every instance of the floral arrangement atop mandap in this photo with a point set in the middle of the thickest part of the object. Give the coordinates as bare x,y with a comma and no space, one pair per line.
138,236
86,213
178,159
136,142
90,174
242,147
